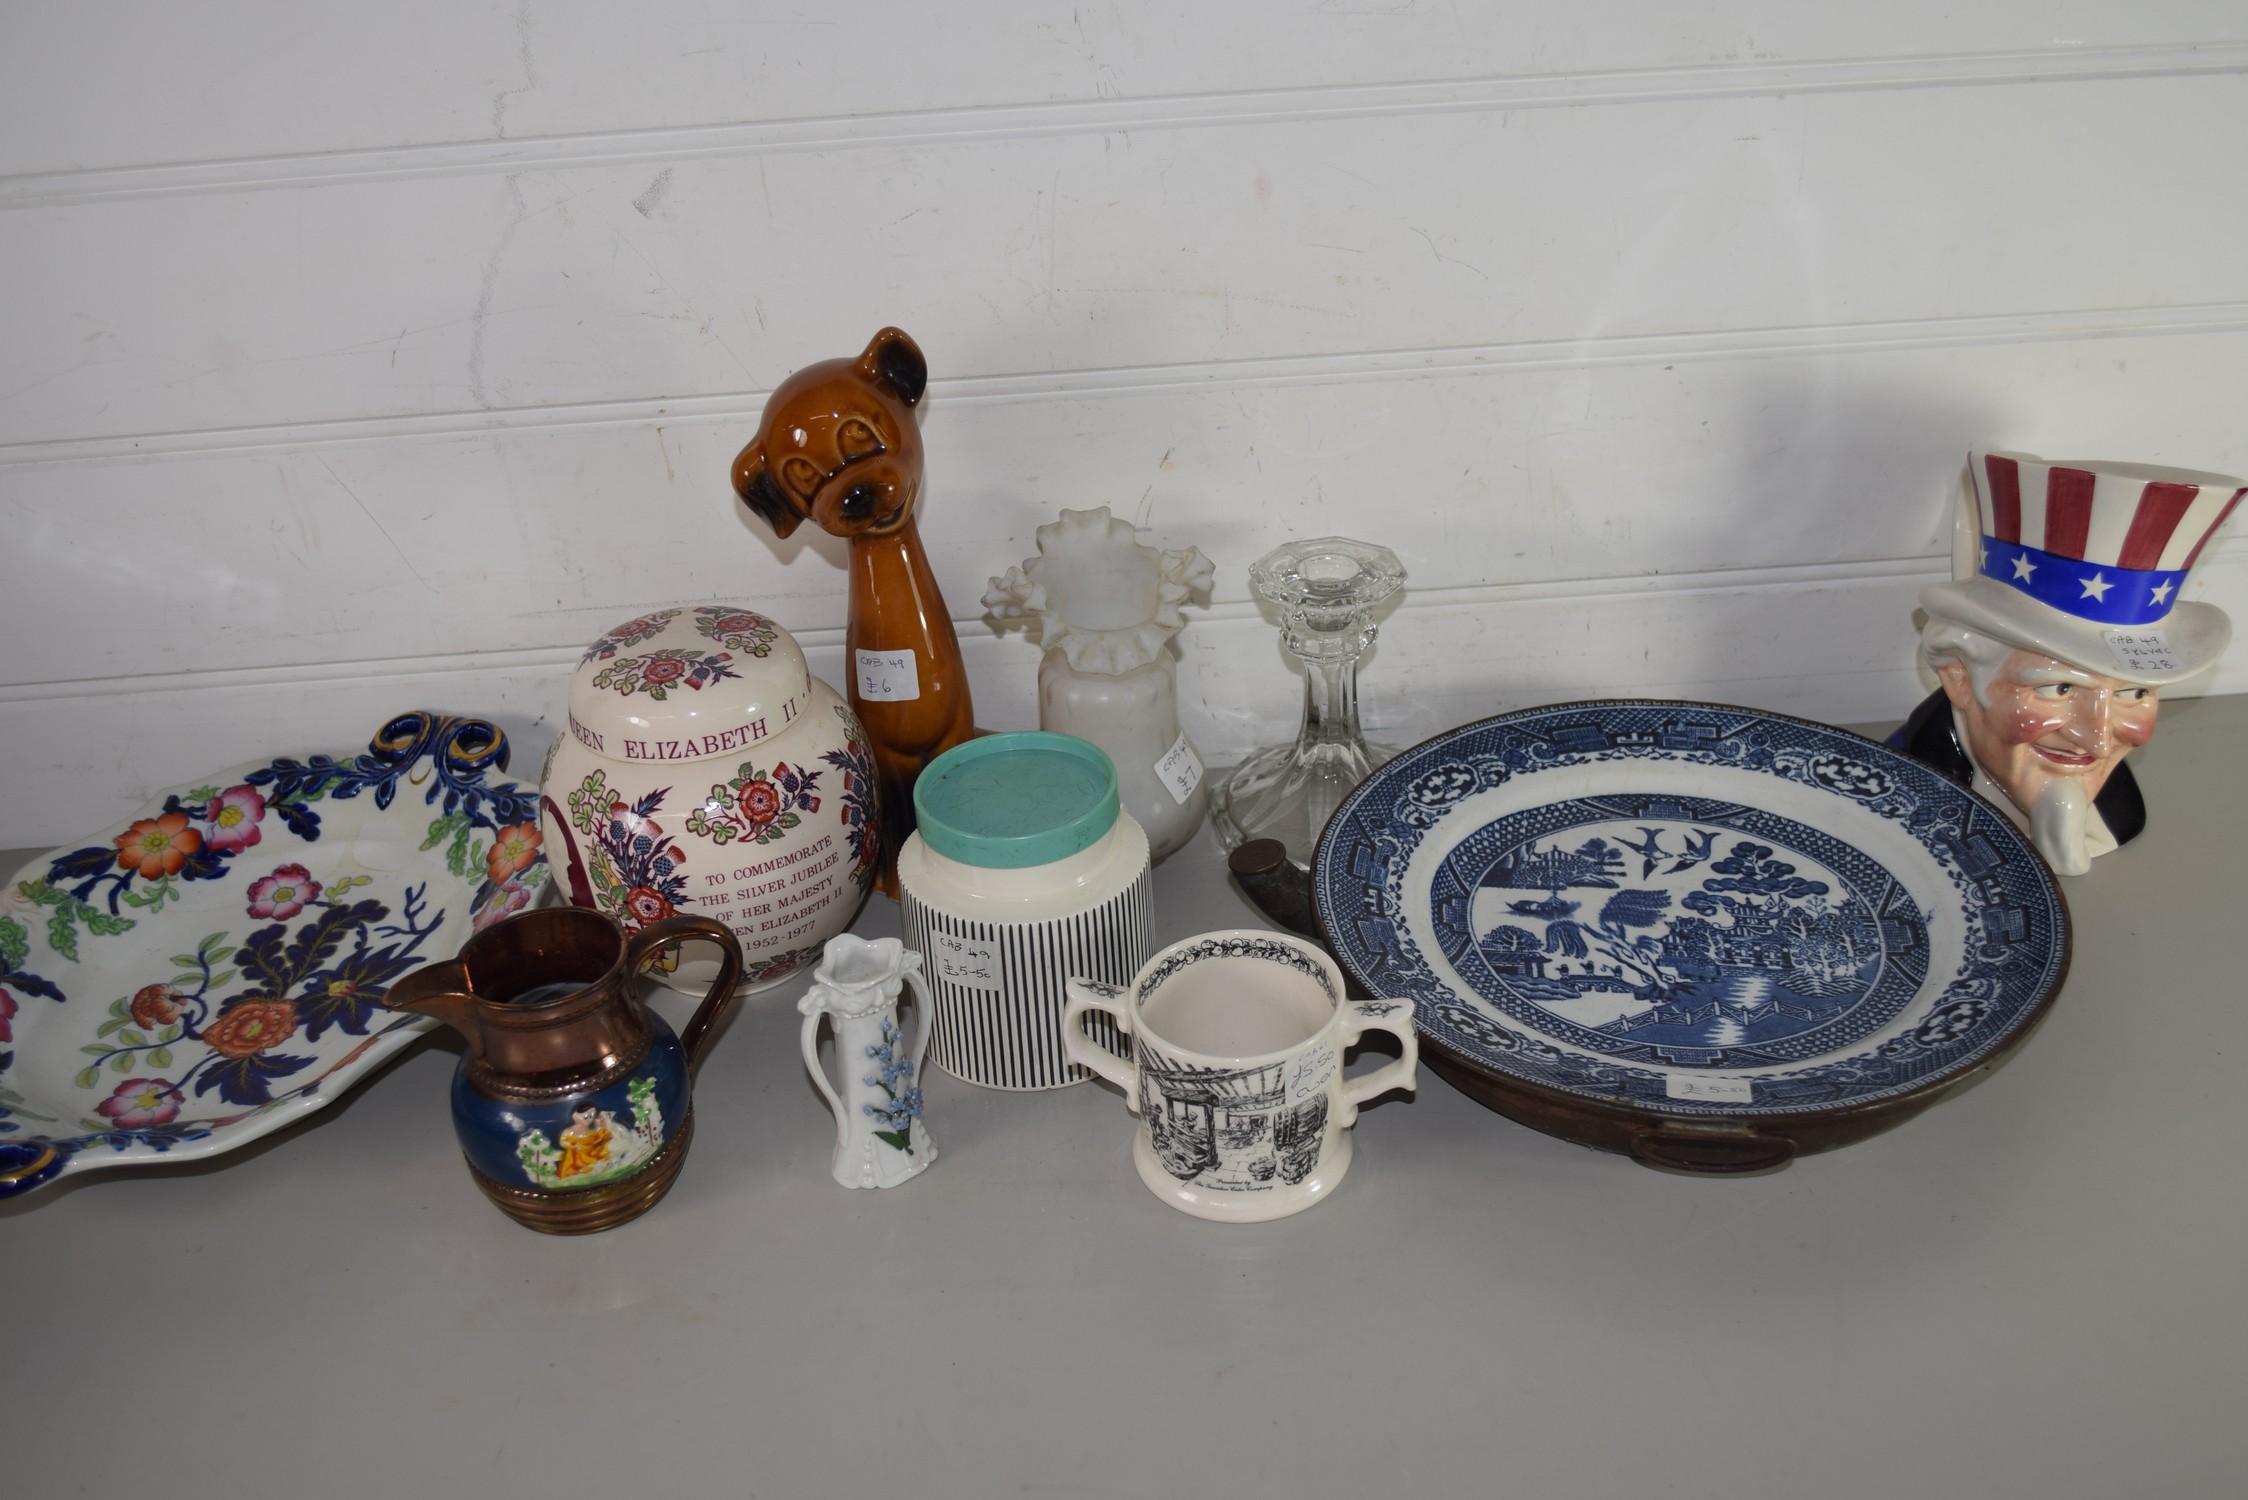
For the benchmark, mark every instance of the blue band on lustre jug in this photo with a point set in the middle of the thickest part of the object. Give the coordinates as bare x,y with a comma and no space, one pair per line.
574,1104
585,1138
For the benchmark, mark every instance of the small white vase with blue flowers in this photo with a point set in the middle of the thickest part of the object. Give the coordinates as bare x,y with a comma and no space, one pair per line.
880,1140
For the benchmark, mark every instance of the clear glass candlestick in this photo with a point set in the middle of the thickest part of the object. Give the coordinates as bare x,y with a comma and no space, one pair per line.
1326,591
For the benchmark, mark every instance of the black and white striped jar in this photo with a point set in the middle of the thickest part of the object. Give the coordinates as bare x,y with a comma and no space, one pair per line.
1022,875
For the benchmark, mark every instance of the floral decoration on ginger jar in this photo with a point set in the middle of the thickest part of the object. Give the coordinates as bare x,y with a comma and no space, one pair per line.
705,770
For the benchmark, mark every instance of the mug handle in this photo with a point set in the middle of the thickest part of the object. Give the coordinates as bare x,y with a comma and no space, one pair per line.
1380,1015
1111,1001
642,946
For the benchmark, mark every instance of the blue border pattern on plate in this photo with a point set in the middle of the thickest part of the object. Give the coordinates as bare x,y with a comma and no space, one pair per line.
2016,923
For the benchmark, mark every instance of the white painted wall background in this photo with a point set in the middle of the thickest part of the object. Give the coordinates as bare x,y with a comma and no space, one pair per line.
359,357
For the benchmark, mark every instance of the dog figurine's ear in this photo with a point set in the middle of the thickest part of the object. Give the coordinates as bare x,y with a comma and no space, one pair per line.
894,359
754,483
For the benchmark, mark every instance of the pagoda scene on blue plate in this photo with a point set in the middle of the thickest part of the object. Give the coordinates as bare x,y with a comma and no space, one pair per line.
1666,931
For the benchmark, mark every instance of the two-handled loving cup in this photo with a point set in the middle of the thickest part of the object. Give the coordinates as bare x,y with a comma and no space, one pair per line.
1237,1070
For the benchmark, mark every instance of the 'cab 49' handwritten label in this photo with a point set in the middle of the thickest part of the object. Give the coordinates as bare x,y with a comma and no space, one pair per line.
1713,1090
888,676
1180,770
2143,651
966,962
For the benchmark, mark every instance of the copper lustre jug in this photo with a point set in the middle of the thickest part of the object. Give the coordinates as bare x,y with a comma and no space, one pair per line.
574,1103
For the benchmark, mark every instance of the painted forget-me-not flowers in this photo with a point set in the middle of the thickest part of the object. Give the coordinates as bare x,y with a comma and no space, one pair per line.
894,1077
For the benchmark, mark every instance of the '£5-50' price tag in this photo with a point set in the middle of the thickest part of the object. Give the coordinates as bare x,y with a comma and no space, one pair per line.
967,962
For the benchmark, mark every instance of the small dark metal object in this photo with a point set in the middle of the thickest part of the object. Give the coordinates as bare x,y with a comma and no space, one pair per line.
569,1077
1278,885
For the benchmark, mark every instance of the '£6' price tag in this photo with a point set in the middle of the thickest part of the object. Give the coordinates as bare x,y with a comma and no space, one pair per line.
888,676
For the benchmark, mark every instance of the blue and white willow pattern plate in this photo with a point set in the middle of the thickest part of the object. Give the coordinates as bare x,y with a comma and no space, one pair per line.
204,972
1691,909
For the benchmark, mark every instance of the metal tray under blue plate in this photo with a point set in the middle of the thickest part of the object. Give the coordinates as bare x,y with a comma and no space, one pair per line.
1656,910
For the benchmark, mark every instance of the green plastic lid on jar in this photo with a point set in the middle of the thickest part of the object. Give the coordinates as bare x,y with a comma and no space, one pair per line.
1009,801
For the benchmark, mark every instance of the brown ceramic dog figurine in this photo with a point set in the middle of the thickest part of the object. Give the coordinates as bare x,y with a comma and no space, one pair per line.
839,444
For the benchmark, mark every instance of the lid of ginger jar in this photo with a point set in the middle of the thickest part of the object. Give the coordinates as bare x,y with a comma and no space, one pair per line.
689,683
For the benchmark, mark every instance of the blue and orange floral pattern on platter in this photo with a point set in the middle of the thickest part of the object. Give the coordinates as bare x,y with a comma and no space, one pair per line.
1692,908
216,966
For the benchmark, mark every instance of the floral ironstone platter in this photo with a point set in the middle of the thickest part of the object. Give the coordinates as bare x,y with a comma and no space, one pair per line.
214,968
1710,937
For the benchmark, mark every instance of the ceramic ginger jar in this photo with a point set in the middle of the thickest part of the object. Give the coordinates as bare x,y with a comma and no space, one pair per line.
706,771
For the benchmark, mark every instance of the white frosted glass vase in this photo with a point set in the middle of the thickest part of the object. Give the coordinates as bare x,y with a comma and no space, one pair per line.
1134,716
1107,608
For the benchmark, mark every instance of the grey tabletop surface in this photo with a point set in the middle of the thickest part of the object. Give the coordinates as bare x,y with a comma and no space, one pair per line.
2035,1289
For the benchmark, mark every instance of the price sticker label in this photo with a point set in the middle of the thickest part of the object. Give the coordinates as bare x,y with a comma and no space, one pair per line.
967,962
1180,770
888,676
1309,1075
2143,650
1711,1090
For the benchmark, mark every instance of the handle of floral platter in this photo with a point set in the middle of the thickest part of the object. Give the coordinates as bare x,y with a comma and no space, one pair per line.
643,945
1396,1018
25,1165
1078,1045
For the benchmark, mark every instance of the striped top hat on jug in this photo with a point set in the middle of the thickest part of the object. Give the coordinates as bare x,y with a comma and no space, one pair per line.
2088,562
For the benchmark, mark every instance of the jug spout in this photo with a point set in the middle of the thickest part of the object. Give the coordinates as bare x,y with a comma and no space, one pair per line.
441,990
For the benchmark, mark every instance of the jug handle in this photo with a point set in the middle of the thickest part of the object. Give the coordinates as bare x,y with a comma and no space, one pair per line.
642,946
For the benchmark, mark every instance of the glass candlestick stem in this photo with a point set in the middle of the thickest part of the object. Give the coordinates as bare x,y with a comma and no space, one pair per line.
1326,591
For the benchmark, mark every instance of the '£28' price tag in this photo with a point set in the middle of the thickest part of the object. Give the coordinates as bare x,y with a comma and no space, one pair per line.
2143,651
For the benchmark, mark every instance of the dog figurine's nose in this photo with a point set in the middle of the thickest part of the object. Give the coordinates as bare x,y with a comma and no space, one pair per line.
859,501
